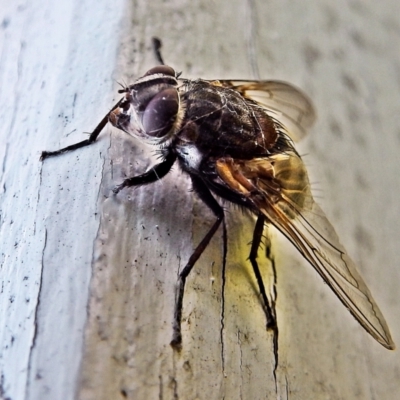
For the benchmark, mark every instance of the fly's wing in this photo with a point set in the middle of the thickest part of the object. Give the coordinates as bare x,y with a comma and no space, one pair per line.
283,102
278,187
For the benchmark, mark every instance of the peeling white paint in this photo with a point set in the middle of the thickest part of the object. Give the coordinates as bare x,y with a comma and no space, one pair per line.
56,68
87,279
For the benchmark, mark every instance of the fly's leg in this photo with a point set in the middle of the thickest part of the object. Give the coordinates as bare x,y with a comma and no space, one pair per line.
92,138
152,175
204,193
157,44
257,236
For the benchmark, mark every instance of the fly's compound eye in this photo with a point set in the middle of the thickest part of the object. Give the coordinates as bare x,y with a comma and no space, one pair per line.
161,69
160,113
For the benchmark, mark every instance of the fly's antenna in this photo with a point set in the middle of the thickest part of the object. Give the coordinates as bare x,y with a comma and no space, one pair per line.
124,86
157,44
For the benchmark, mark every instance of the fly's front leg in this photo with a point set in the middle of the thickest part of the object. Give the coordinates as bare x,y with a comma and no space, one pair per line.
92,138
157,44
255,245
204,193
152,175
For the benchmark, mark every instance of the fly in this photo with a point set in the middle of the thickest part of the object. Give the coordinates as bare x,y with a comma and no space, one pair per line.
235,140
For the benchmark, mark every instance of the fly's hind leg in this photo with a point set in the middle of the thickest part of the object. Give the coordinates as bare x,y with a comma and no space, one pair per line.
257,236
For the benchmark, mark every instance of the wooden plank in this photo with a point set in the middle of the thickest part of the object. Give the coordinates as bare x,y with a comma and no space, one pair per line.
88,278
56,77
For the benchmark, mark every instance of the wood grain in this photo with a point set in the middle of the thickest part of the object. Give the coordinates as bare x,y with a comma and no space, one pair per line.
88,278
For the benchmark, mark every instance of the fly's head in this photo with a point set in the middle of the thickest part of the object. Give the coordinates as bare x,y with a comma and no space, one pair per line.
151,109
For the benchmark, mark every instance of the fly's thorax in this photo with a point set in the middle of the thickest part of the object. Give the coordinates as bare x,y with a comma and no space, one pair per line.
225,124
151,109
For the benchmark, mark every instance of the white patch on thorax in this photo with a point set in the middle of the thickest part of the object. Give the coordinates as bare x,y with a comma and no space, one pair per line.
191,157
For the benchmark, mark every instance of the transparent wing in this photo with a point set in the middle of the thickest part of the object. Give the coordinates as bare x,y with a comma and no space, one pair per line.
316,239
278,187
282,101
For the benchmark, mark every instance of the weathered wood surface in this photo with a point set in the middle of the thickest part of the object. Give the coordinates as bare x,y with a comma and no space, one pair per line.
88,278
